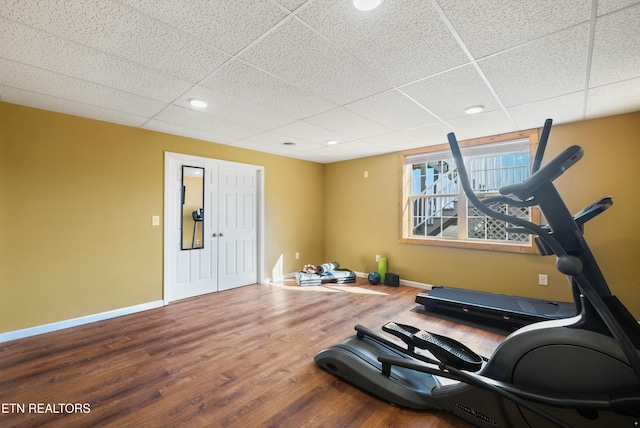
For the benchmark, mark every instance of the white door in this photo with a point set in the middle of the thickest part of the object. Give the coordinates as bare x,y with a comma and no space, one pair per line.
231,254
189,272
238,230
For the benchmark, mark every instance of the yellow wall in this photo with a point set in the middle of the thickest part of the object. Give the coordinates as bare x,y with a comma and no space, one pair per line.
362,220
77,197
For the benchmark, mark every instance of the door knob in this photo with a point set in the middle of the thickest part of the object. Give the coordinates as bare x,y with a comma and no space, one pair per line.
214,235
221,234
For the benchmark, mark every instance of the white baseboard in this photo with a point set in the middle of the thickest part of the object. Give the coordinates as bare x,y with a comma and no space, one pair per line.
279,278
46,328
416,284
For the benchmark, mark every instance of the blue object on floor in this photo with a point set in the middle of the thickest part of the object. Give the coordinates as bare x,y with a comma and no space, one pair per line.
374,278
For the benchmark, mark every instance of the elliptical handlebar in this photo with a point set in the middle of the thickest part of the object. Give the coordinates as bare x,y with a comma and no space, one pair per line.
593,285
542,145
548,173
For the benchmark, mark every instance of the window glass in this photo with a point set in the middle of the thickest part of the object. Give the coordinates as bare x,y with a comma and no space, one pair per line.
435,208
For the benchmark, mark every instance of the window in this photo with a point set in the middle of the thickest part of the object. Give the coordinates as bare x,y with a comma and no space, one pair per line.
435,210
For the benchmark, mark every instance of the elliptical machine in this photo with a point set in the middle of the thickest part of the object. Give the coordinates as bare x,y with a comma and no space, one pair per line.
581,371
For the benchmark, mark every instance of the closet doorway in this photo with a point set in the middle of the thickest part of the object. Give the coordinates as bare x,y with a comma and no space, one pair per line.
213,225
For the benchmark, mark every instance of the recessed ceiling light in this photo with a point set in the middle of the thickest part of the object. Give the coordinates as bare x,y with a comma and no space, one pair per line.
474,109
332,142
195,102
366,5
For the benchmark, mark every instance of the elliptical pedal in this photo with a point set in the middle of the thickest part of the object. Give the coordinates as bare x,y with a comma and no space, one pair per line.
449,351
445,349
402,331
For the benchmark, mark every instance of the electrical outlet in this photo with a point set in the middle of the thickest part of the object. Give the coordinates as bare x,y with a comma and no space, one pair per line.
155,220
543,279
297,255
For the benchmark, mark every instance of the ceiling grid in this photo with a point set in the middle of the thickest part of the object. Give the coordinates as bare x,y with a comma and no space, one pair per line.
304,72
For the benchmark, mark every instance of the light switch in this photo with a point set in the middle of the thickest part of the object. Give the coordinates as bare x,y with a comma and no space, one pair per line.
155,220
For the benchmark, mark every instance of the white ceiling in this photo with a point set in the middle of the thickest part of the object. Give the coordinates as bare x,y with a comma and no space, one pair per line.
306,72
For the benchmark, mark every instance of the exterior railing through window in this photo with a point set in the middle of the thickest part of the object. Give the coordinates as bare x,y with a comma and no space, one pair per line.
435,211
435,208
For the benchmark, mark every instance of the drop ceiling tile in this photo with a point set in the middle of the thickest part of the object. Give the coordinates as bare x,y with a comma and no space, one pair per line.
617,98
113,28
72,59
490,26
394,141
192,118
311,133
300,56
482,125
273,141
448,94
616,47
291,4
403,41
325,155
234,110
74,108
431,135
186,131
38,80
348,123
227,25
562,109
275,138
393,110
364,148
243,81
264,148
545,68
607,6
124,63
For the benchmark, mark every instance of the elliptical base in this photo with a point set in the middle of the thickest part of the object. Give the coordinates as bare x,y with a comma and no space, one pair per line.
355,360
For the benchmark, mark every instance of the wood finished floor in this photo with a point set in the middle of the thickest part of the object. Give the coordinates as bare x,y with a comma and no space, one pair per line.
242,357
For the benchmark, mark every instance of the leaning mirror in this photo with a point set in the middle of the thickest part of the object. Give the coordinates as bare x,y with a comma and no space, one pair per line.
192,207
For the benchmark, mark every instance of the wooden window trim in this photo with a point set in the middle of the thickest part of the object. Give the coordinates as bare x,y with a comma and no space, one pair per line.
403,208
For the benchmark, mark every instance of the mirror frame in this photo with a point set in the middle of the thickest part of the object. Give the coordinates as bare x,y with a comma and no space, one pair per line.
187,211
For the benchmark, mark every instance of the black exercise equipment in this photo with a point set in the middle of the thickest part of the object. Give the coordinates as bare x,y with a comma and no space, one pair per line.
502,310
582,371
198,217
507,311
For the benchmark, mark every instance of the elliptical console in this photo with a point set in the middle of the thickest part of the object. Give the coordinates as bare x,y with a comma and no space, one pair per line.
580,371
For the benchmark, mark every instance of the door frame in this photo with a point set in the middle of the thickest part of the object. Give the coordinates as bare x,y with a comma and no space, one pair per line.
172,162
